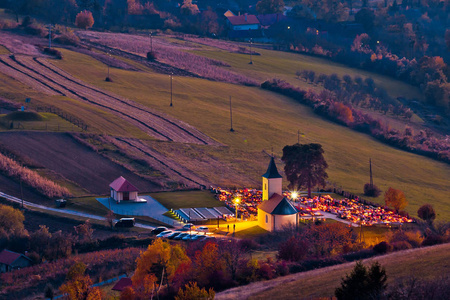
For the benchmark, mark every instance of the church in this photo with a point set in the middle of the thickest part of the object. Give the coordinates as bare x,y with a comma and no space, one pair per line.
275,210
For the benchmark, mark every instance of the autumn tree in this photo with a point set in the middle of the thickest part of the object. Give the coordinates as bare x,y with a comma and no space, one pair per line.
192,291
84,19
84,231
426,212
270,6
11,219
305,166
395,198
208,266
363,283
78,286
188,8
158,264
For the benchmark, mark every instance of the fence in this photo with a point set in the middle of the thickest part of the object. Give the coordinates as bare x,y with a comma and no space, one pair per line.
41,126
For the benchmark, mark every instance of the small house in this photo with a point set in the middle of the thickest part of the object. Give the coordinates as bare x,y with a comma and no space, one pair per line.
123,190
12,261
243,22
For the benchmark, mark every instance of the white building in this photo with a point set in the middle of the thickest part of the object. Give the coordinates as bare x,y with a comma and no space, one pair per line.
123,190
243,22
275,211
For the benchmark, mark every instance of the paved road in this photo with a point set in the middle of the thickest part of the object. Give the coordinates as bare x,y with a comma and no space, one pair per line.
64,211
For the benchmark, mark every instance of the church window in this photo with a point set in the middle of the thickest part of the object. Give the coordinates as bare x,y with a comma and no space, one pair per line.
267,219
265,186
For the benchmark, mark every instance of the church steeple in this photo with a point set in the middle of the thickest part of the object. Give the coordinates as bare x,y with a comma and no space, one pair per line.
272,171
272,181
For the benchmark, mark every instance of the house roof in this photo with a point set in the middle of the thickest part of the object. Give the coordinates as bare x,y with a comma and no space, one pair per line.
8,257
270,19
229,13
272,171
277,205
243,20
123,185
122,284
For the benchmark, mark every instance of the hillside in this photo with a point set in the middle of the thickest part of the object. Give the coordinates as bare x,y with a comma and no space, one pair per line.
423,263
262,120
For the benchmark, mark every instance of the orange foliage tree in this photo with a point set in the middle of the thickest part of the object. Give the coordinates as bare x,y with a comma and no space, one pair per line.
79,286
395,198
84,19
158,263
192,291
208,264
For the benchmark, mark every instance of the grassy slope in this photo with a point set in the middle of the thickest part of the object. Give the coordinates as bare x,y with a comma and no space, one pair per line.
3,50
177,200
421,263
264,120
98,121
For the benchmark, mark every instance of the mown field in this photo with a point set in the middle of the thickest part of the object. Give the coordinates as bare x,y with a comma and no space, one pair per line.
423,263
264,120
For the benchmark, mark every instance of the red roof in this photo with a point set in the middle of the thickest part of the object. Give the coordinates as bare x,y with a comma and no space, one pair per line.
243,20
122,284
8,257
122,185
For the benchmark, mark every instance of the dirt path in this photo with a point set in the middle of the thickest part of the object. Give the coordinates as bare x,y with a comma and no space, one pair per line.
46,77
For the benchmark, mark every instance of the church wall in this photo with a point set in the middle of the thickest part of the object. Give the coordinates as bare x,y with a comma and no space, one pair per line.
262,218
275,186
282,220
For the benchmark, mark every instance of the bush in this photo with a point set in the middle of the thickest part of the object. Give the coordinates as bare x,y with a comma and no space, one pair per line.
382,248
371,190
84,19
67,38
53,52
402,245
151,55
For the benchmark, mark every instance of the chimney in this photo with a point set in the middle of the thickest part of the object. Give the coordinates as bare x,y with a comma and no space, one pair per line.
245,17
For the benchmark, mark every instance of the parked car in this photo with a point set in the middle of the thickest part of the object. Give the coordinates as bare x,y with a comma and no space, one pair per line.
203,229
208,238
181,235
198,237
189,226
158,230
125,222
173,235
189,237
164,233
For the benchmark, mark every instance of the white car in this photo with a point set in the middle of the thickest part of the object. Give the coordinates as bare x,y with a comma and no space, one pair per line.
203,229
189,226
164,233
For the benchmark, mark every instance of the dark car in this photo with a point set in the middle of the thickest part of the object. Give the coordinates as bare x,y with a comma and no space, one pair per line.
158,230
173,235
181,235
125,222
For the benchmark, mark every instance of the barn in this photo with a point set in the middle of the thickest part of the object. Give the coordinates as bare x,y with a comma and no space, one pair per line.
123,190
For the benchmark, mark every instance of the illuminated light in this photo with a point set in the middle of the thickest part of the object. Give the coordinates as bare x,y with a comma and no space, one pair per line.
294,195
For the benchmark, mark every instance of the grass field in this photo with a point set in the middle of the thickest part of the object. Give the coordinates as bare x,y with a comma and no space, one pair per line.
176,200
425,263
263,120
49,122
3,50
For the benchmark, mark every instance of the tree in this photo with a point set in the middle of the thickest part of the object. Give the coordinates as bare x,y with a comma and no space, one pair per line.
78,286
188,8
192,291
426,212
371,190
270,6
305,166
363,283
84,19
395,198
11,219
84,231
49,291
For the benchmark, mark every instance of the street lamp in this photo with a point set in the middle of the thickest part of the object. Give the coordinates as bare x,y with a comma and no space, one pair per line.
171,93
294,196
236,202
107,77
251,55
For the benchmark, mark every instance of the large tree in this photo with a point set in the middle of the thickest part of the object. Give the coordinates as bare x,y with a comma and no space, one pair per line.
305,166
270,6
395,198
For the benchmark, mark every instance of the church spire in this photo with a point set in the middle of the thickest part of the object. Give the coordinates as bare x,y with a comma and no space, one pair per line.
272,171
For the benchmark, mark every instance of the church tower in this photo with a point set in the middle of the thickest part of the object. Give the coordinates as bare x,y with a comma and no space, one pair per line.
272,181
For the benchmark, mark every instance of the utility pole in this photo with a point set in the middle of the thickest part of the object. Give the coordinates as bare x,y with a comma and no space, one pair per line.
298,136
231,117
370,168
171,91
151,41
50,27
251,56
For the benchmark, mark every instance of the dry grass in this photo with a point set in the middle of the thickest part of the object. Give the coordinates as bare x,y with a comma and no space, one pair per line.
422,263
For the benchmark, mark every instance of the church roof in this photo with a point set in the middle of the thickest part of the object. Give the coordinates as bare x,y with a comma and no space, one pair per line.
272,171
277,205
122,185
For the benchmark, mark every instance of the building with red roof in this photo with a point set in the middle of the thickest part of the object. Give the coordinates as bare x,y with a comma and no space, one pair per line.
123,190
122,284
10,260
243,22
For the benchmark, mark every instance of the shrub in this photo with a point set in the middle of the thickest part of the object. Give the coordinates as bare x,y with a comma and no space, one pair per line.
84,19
151,55
426,212
371,190
67,38
53,52
382,248
401,245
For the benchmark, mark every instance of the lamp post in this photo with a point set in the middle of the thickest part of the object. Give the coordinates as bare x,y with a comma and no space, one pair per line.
171,91
294,196
107,77
236,202
251,55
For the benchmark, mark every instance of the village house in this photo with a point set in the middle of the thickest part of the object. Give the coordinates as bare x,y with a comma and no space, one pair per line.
123,190
243,22
275,210
10,260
